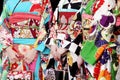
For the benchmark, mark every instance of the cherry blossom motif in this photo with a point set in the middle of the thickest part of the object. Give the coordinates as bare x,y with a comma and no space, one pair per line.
27,75
28,52
5,37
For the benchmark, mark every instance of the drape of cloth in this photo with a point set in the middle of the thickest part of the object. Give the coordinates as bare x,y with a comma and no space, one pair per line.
101,32
23,23
79,31
65,33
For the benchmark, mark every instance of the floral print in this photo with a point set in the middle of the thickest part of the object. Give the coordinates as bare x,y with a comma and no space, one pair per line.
82,39
5,37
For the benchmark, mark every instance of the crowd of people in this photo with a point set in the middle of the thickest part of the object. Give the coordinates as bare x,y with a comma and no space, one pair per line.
60,40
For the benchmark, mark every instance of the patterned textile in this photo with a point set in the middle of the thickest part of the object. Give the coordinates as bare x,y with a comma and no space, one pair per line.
79,40
22,20
23,27
72,4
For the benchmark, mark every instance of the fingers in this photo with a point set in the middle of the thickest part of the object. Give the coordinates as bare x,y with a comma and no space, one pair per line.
12,55
30,56
13,60
61,50
57,51
79,61
54,52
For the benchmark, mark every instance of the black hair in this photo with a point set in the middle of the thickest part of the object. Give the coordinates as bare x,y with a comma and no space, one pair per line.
54,4
1,6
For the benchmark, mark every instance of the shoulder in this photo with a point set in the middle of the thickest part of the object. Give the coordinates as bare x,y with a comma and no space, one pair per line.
11,2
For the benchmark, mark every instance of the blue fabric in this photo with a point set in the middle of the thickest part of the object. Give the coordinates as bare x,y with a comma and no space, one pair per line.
24,41
1,69
46,51
47,19
1,46
21,7
41,47
36,73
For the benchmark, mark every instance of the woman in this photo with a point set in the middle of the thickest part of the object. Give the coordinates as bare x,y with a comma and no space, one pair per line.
65,38
20,21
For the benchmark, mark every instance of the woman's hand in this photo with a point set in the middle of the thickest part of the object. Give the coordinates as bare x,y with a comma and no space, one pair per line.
12,55
54,52
30,55
57,51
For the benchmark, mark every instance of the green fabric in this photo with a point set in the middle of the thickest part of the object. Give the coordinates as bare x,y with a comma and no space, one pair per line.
88,52
114,65
4,75
113,71
89,6
1,46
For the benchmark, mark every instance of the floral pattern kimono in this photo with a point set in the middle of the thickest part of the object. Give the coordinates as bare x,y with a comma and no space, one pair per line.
99,47
21,24
80,40
66,35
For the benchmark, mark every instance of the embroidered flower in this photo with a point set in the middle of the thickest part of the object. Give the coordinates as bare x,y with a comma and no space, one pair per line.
105,57
23,49
5,37
97,70
104,75
99,40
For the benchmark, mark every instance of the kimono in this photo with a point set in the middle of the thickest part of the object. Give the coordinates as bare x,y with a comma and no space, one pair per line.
99,47
21,24
65,38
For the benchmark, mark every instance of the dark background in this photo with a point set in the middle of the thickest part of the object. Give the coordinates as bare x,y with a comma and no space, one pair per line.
54,4
1,6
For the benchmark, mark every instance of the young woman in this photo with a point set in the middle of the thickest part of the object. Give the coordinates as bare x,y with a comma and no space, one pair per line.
21,23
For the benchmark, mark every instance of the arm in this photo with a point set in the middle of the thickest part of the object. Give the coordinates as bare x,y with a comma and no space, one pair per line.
4,14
